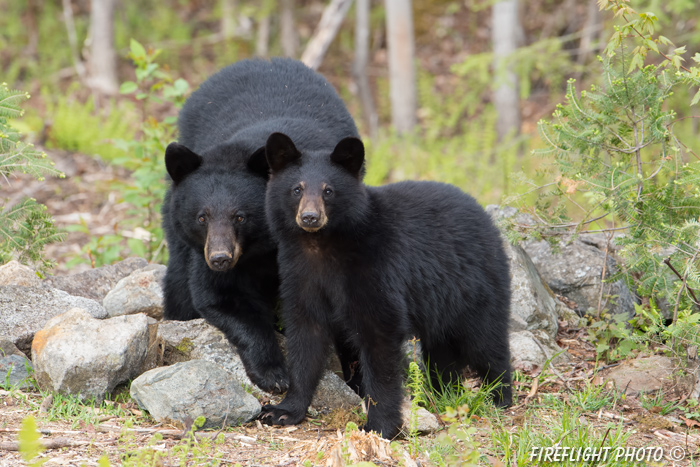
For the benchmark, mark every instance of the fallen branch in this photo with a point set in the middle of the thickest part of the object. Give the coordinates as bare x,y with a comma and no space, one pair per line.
56,443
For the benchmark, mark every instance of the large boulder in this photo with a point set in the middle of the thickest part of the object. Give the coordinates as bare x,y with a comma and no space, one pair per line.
575,269
78,354
25,310
196,339
96,283
139,292
187,390
14,273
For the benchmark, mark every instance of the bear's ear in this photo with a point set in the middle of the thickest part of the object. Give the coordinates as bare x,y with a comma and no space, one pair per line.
280,151
180,162
349,153
257,163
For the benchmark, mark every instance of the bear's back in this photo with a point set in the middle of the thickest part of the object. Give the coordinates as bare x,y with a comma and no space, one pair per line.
443,245
253,98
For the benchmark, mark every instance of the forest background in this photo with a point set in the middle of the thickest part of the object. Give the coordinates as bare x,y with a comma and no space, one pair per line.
581,113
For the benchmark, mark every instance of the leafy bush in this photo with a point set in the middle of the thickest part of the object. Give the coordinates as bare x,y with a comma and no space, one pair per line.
143,156
619,167
25,227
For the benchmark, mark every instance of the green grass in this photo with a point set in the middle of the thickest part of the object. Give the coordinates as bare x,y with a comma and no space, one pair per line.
524,445
77,127
655,403
464,161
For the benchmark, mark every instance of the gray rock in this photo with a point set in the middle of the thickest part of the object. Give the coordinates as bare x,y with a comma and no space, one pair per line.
25,310
529,351
139,292
425,421
14,273
187,390
333,393
96,283
7,347
532,304
196,339
77,354
575,272
646,374
16,371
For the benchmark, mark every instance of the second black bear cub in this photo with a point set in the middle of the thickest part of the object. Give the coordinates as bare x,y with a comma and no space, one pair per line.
365,268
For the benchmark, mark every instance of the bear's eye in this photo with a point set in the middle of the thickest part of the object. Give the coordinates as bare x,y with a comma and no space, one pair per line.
328,191
201,219
240,219
297,191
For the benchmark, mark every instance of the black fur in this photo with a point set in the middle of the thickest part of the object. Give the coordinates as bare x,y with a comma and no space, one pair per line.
410,258
219,172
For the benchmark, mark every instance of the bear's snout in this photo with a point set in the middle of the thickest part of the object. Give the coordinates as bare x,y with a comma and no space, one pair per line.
221,261
310,219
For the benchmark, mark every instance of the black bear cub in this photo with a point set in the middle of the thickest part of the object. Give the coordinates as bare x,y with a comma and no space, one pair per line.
364,268
223,261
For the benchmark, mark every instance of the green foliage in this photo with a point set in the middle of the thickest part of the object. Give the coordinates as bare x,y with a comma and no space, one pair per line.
657,404
563,430
29,444
619,162
25,227
141,233
144,156
456,447
612,337
81,412
415,384
457,394
619,165
79,127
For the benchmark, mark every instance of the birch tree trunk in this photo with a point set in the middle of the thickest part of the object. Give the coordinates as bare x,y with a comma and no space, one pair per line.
328,27
359,69
263,37
228,18
288,31
103,57
505,34
402,74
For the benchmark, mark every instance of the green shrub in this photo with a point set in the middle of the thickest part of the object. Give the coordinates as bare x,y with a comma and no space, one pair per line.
25,227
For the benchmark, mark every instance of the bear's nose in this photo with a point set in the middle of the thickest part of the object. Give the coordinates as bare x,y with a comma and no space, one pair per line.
310,218
221,261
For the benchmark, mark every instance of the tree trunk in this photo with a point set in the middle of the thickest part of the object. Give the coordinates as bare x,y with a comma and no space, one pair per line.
590,32
288,31
505,33
359,69
32,24
228,18
103,57
328,27
263,39
402,74
73,40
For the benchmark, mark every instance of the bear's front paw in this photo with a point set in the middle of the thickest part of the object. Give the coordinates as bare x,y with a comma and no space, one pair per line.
275,380
275,415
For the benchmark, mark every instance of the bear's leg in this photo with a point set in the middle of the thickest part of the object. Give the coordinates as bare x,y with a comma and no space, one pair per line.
382,378
350,363
307,344
444,364
177,299
255,340
493,365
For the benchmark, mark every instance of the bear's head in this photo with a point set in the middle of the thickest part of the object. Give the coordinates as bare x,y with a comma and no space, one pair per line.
218,208
315,191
